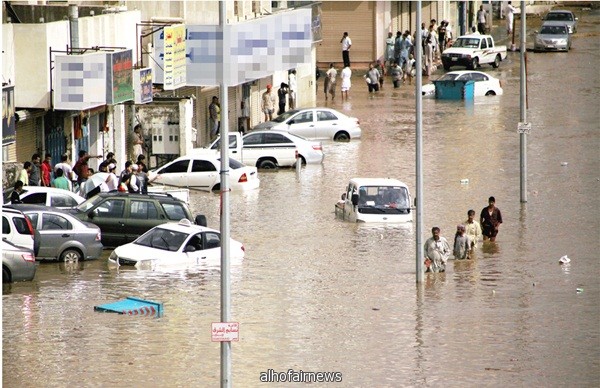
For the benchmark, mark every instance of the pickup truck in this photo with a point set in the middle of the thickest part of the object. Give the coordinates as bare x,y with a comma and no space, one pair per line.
473,50
256,149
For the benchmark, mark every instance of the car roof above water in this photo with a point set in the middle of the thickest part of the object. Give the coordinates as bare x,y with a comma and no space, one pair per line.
185,226
377,182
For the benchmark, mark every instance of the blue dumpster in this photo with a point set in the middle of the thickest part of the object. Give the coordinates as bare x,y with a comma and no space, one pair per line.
454,89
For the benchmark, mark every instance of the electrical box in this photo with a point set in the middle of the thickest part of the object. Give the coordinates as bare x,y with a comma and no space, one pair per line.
165,136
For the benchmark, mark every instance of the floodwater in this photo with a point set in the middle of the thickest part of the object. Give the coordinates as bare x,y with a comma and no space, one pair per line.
317,294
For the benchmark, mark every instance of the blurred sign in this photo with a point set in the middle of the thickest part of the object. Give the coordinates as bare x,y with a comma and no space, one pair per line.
225,331
8,115
142,85
80,81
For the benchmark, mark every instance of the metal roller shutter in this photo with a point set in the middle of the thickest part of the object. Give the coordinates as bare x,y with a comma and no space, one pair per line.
357,18
233,108
27,139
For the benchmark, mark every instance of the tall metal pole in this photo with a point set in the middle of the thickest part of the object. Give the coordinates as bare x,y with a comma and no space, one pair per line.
419,146
522,101
225,278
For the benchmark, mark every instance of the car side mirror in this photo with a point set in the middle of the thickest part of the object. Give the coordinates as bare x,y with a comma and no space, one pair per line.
189,248
93,214
354,199
291,122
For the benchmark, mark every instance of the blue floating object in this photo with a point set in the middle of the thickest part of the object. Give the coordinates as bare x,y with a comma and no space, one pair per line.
133,306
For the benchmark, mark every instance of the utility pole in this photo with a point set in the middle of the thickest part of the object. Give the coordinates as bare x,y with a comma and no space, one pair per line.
225,278
524,127
419,147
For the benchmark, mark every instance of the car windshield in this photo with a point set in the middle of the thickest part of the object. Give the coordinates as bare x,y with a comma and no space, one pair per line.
384,196
233,164
559,16
165,239
90,203
466,42
282,117
554,30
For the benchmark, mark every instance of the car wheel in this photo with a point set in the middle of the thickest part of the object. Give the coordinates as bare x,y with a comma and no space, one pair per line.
267,164
216,188
341,136
302,160
496,62
71,255
475,63
490,93
5,275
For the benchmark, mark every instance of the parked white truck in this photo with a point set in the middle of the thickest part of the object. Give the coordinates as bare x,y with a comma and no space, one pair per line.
472,51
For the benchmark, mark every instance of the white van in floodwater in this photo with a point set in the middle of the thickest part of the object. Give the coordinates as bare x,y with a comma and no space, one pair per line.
375,200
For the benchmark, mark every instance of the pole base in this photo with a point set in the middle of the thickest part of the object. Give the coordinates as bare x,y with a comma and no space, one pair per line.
513,47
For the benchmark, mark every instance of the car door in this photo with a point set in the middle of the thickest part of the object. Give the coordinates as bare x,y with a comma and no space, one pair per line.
481,85
174,173
109,215
252,148
141,216
303,124
54,230
281,147
204,174
328,124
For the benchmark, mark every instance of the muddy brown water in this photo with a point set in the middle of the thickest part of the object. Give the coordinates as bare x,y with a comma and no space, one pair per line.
317,294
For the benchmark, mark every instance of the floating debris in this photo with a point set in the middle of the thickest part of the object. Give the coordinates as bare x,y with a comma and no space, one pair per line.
564,260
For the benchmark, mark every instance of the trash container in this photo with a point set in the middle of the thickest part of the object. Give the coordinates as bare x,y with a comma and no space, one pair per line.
454,89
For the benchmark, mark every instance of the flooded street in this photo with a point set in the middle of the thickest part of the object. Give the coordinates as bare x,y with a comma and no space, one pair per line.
318,294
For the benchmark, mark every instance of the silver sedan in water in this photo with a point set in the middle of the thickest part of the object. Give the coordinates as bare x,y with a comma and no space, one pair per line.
553,36
63,236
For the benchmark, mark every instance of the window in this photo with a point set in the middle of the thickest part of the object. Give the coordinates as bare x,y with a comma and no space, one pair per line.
143,210
489,42
203,166
5,226
35,198
21,225
276,138
253,139
61,200
483,43
232,143
175,211
477,77
212,240
111,208
33,217
304,117
323,115
55,222
175,167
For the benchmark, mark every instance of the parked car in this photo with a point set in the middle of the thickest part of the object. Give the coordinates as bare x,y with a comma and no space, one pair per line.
375,200
18,229
566,17
268,149
485,84
123,217
63,236
175,244
472,51
202,172
553,36
316,123
18,263
49,196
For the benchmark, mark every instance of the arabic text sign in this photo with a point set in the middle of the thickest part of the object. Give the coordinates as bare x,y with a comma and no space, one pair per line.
225,331
174,65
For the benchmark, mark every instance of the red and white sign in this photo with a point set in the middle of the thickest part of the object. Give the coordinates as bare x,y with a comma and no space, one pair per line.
225,331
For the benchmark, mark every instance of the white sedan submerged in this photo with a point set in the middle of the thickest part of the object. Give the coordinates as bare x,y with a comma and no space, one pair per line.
485,84
316,123
176,245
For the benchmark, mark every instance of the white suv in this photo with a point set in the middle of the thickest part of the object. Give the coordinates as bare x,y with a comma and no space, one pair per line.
17,229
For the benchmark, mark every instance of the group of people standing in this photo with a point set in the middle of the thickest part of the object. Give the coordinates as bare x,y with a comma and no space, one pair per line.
286,95
437,249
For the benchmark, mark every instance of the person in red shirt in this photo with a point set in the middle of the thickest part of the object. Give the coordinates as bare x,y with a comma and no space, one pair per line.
46,168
